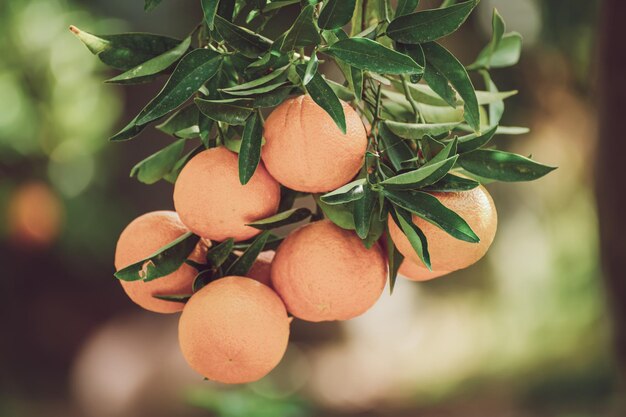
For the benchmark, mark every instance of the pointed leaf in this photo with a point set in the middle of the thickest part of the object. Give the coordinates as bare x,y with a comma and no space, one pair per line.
159,164
370,55
396,148
217,255
363,209
336,13
209,8
406,6
345,194
228,111
419,130
325,97
161,263
502,166
430,209
243,264
474,141
430,25
421,177
340,214
414,234
394,260
303,32
250,151
244,40
452,184
282,219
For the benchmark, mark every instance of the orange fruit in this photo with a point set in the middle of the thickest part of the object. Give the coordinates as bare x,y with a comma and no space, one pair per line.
234,330
415,272
304,149
261,269
447,253
35,215
140,239
212,202
323,272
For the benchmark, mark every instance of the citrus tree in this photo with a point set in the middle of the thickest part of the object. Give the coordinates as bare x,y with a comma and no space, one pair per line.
394,153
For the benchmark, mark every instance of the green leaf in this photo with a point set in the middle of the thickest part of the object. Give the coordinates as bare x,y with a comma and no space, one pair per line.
177,298
345,194
173,174
343,93
258,82
405,7
446,65
151,4
243,264
224,110
336,13
161,263
395,148
217,255
127,50
325,97
272,98
429,25
185,118
190,74
421,177
414,234
419,130
282,219
446,152
159,164
502,166
363,209
244,40
278,4
498,27
452,184
311,69
430,209
303,32
505,55
340,214
203,279
370,55
394,259
474,141
209,8
250,151
149,69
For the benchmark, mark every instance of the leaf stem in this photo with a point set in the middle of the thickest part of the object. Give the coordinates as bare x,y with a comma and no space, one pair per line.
411,100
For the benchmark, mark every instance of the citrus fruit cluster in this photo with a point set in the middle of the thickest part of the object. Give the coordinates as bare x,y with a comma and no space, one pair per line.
235,329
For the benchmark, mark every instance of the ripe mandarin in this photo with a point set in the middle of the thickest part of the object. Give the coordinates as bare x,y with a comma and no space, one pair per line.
323,273
306,151
447,253
212,202
140,239
234,330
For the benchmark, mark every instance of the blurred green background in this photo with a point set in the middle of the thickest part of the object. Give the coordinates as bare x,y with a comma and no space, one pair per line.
525,332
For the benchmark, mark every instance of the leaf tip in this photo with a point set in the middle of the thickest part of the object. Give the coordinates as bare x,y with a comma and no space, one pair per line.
74,30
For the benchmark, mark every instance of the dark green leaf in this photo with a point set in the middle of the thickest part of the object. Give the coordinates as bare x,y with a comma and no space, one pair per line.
272,98
177,298
131,130
340,214
203,278
190,74
446,152
267,88
183,119
394,259
345,194
311,69
414,234
275,5
127,50
224,110
282,219
243,264
161,263
430,25
209,8
417,54
258,82
423,176
418,130
336,13
406,6
430,209
452,184
446,65
303,32
474,141
159,164
363,209
370,55
502,166
396,148
250,151
245,41
216,256
147,70
325,97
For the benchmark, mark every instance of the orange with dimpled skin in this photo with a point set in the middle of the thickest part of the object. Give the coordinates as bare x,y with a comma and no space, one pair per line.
212,202
305,150
140,239
234,330
447,253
